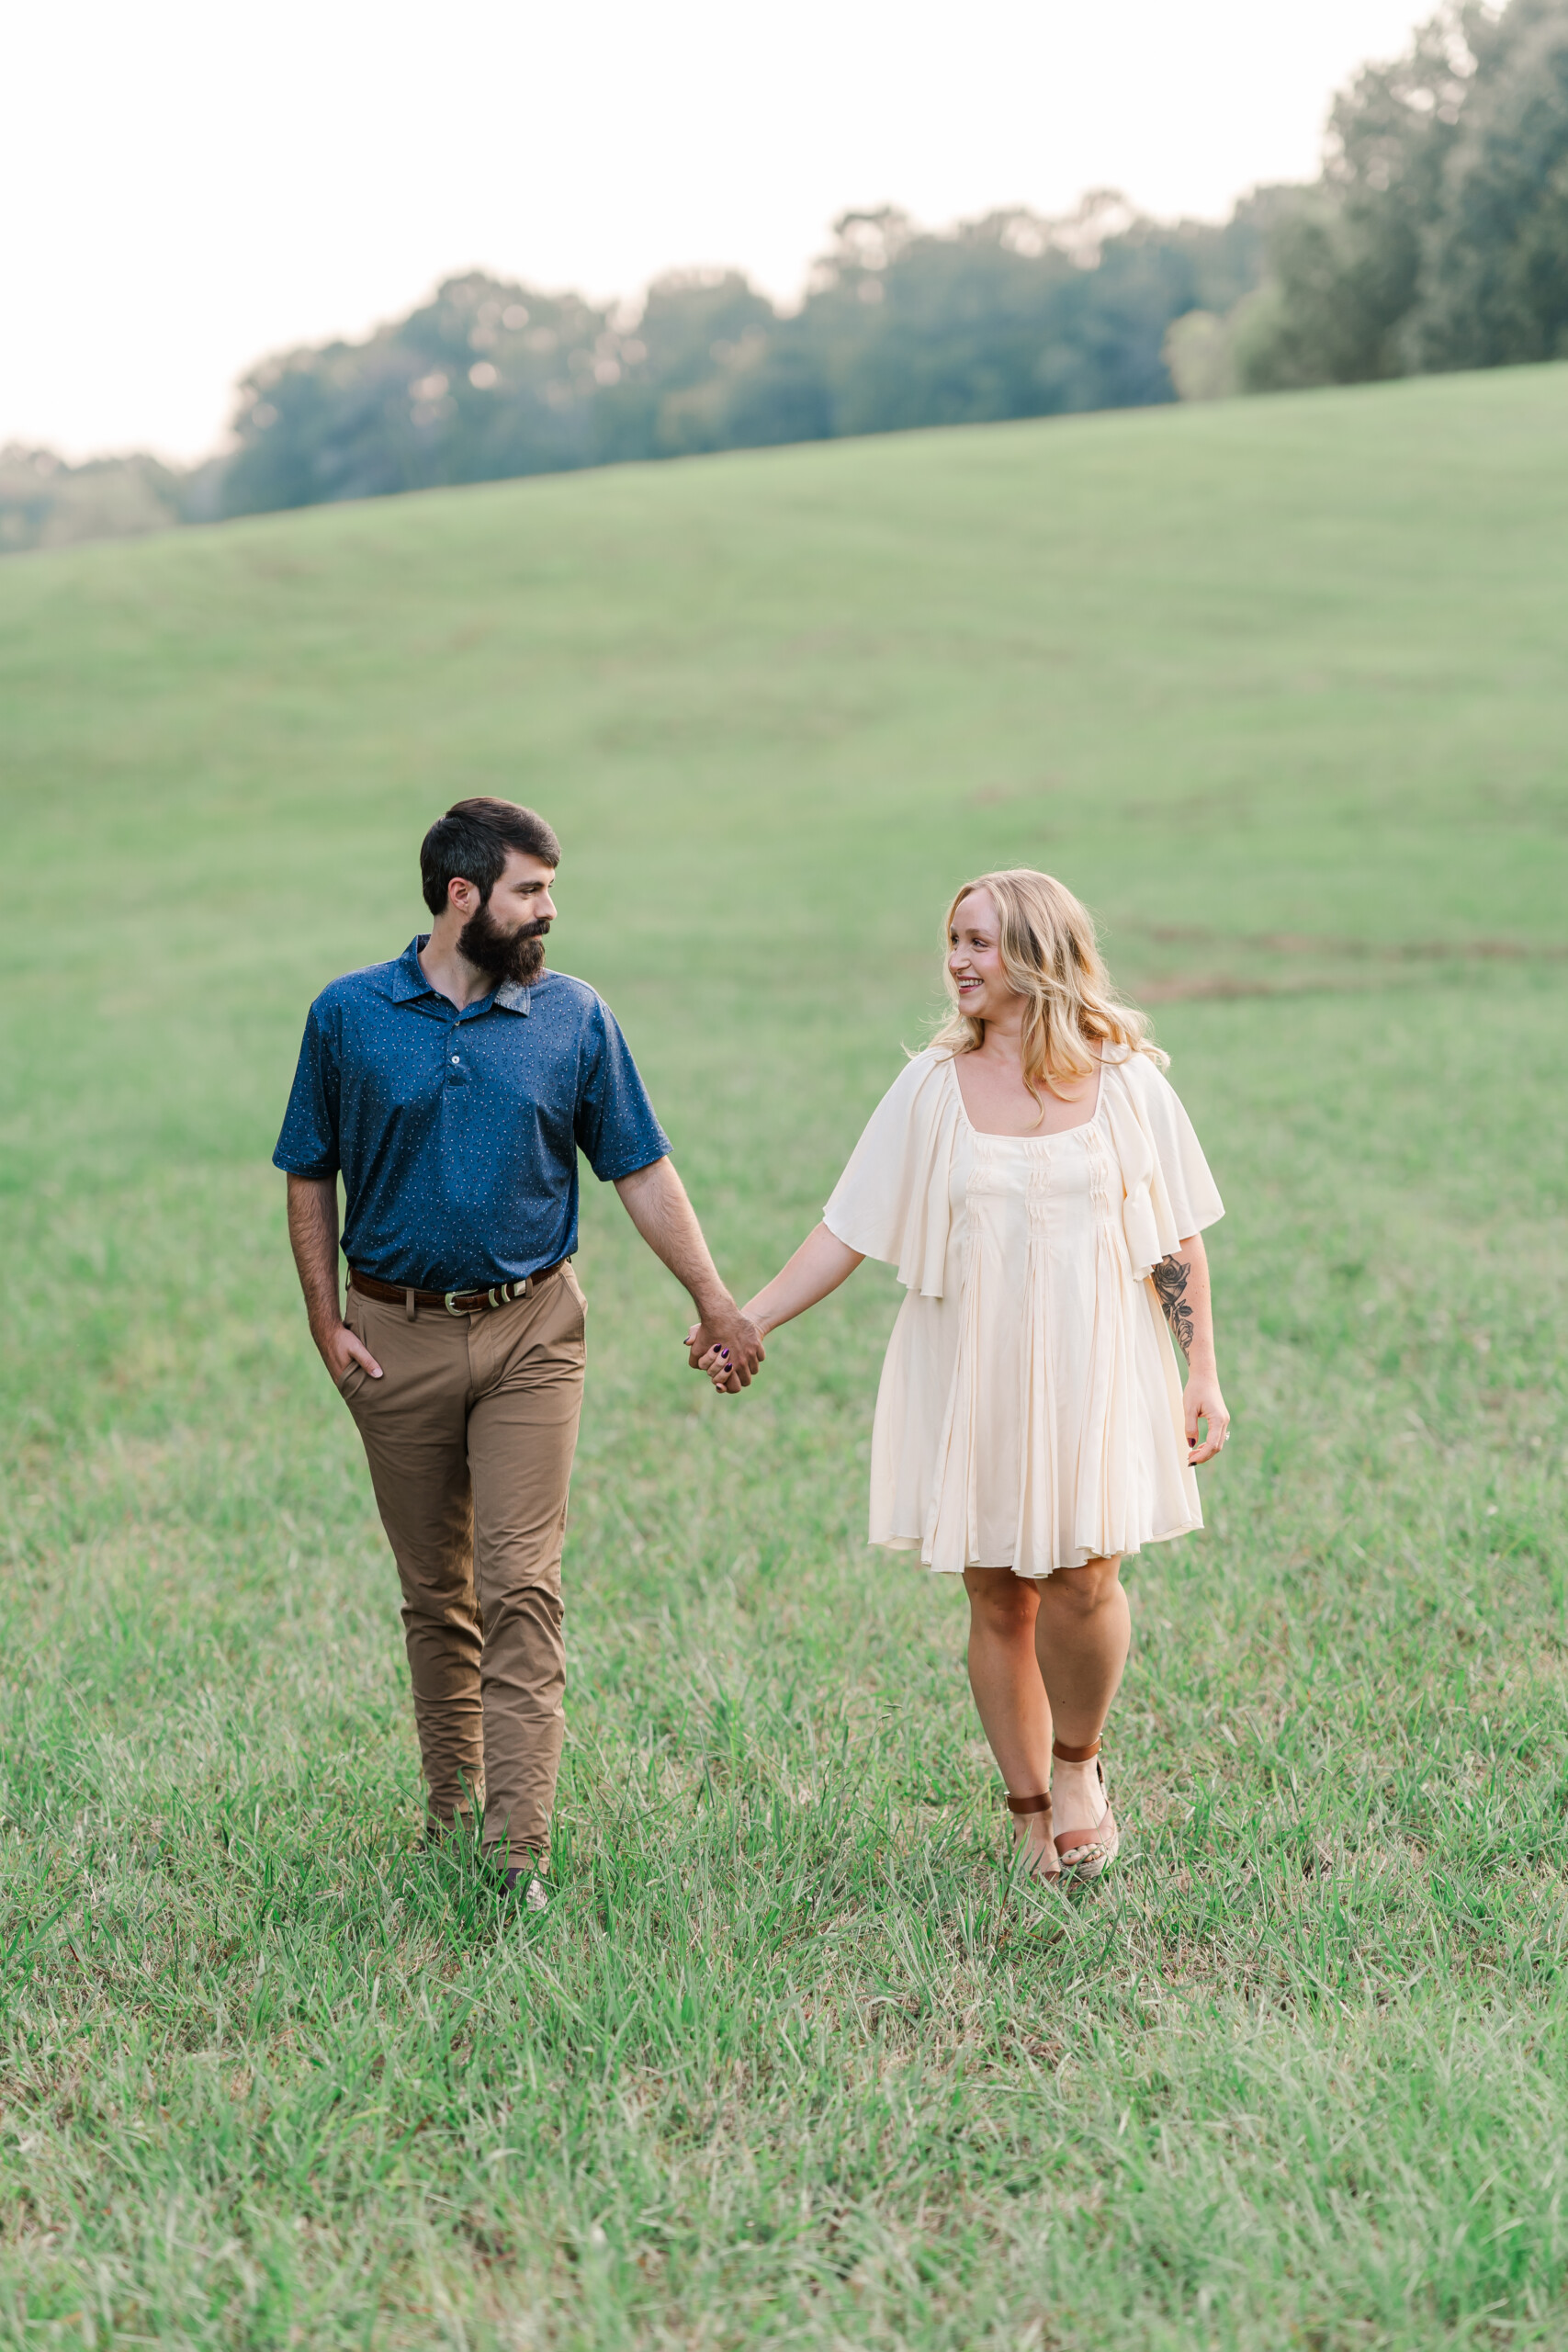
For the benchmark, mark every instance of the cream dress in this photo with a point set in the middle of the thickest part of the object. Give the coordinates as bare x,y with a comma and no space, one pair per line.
1030,1411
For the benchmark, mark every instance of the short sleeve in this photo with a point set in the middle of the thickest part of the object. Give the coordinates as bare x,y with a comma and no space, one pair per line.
308,1145
1190,1189
892,1200
1168,1191
614,1124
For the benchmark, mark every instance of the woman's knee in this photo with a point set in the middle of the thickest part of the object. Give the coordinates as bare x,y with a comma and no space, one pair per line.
1080,1593
1004,1604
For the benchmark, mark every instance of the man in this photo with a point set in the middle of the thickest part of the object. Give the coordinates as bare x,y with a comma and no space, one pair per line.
452,1090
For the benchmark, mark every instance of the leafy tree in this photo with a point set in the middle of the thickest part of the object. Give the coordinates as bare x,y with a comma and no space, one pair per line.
1437,236
1494,275
1344,261
693,326
45,503
1008,316
489,380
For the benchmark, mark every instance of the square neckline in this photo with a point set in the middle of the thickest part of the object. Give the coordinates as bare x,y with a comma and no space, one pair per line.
994,1135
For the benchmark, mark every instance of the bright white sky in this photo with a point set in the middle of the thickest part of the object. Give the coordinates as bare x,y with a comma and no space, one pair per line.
188,184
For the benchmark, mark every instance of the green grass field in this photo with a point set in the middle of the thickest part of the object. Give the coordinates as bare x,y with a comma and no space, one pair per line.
1279,687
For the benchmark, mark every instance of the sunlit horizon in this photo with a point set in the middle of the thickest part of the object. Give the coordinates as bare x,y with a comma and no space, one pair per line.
196,192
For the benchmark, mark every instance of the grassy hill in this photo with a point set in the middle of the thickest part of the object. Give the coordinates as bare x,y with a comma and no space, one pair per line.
1280,688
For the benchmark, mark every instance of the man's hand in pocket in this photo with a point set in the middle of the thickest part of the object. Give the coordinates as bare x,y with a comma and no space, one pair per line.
340,1349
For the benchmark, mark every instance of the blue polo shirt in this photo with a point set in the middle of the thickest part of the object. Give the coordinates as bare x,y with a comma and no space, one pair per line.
457,1133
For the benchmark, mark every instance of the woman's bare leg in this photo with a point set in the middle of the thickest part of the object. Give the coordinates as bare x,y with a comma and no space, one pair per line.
1082,1632
1009,1693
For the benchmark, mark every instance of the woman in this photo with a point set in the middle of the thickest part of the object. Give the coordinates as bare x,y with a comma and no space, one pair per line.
1039,1188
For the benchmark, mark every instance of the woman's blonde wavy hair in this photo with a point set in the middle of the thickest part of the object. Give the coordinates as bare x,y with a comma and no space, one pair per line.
1050,957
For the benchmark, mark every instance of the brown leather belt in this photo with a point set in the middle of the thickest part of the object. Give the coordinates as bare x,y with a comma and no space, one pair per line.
453,1302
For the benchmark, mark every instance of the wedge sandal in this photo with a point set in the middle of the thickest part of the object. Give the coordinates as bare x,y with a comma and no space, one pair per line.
1083,1854
1041,1867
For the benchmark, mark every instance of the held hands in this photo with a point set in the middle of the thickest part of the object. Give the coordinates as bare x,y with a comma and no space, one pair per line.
727,1346
1203,1402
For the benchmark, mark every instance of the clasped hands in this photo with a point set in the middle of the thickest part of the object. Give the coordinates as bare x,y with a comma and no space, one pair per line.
727,1346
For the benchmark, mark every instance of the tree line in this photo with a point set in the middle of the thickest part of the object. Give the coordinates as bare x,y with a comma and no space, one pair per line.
1436,237
1009,316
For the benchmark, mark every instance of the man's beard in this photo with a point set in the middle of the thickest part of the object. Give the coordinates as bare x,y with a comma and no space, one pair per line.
502,955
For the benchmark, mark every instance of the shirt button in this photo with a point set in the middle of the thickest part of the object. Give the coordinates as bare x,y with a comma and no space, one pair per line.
454,1057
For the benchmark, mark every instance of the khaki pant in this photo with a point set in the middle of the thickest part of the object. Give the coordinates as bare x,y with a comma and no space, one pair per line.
469,1433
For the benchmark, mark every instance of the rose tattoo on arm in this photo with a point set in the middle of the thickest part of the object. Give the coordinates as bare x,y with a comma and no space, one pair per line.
1170,1286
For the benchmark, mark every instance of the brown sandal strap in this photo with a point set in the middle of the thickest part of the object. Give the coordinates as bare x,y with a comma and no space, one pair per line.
1029,1804
1099,1844
1066,1755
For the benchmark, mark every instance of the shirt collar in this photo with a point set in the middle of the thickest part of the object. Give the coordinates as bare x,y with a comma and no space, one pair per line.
409,981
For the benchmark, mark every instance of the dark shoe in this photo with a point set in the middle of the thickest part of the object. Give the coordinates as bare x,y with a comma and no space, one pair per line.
522,1879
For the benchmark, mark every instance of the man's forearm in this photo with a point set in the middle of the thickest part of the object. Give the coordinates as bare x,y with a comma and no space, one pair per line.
655,1199
656,1202
312,1235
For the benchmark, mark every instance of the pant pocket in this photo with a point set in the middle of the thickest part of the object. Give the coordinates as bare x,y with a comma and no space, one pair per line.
355,1376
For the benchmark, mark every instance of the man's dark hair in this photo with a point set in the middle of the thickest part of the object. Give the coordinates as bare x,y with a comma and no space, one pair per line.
471,842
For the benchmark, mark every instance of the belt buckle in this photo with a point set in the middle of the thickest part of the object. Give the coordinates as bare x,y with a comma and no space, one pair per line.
449,1296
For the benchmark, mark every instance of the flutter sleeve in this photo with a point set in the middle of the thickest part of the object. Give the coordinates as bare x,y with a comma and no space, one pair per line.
892,1200
1170,1193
